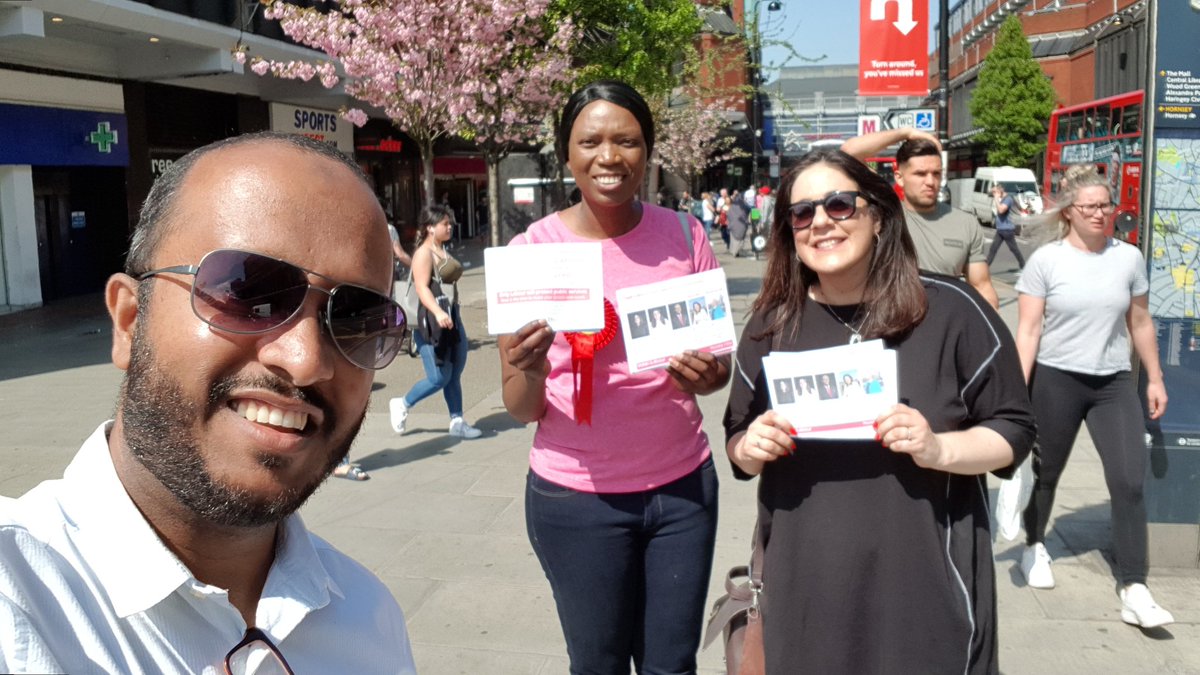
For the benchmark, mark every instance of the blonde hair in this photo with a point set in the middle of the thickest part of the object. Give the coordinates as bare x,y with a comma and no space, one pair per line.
1053,224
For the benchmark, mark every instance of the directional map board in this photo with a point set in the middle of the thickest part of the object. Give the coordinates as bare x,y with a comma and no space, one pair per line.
1173,240
1176,239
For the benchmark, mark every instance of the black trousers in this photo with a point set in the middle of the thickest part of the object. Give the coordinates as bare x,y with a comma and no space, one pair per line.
1109,404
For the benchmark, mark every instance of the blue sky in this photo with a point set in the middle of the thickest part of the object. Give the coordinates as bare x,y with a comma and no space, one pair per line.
820,27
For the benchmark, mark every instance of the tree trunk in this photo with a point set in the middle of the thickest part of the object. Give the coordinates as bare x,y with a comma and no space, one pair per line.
426,146
651,185
493,183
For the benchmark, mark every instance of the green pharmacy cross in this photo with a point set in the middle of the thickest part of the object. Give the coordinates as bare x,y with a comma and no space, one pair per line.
103,137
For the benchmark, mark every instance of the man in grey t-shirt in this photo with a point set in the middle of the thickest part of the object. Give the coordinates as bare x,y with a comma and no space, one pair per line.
948,241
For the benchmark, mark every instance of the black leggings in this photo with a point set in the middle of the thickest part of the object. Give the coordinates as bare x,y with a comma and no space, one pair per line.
1110,406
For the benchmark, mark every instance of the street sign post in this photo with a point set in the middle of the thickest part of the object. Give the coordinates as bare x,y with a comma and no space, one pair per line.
893,54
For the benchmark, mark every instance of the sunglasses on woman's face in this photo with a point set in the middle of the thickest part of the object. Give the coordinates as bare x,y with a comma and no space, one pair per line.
247,293
837,205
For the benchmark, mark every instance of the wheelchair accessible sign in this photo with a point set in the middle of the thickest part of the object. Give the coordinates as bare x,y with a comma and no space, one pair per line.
921,119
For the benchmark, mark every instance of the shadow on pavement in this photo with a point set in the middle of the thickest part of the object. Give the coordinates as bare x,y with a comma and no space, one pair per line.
392,457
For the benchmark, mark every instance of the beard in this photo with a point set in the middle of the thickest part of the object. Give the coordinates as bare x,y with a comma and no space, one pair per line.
158,422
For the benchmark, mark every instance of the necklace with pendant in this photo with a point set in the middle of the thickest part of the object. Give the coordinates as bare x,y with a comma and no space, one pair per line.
855,333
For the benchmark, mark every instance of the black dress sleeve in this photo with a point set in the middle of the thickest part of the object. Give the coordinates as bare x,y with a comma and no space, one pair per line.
748,396
993,388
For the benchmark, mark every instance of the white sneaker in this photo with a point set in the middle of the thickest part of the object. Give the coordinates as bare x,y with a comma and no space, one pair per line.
460,428
1035,564
1138,608
399,414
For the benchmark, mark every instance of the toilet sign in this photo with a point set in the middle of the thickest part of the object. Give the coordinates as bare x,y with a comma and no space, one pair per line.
921,119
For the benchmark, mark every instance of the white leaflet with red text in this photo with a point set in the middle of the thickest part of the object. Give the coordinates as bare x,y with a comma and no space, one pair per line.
561,283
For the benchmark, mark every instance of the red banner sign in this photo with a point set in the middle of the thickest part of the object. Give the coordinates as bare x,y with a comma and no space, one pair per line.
893,48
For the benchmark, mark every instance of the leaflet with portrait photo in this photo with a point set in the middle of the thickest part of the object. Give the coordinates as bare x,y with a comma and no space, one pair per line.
561,283
833,393
666,318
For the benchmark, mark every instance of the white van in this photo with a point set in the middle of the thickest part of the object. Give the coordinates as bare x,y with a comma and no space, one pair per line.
961,193
1020,184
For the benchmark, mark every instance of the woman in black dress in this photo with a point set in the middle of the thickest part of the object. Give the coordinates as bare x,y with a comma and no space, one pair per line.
878,552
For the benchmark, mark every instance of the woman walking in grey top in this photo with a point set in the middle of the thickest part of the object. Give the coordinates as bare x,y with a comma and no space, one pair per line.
1083,300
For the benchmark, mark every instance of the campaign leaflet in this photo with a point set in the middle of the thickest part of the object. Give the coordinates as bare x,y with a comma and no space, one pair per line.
561,283
833,393
666,318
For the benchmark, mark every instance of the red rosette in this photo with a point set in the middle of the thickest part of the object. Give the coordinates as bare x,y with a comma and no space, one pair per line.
583,354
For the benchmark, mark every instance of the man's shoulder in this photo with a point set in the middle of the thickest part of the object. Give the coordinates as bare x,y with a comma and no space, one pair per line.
351,576
38,513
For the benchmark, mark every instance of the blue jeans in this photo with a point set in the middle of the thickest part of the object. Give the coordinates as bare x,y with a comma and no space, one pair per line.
447,377
629,571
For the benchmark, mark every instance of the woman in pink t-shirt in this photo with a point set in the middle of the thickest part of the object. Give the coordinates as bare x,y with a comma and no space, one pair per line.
621,497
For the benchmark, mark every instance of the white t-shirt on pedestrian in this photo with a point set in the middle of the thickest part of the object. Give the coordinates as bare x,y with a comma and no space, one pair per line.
1087,297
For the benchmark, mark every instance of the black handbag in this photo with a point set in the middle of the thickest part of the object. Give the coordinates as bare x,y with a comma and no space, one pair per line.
443,340
736,616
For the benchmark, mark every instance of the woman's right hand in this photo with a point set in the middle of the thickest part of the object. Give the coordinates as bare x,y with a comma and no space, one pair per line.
444,320
527,350
768,438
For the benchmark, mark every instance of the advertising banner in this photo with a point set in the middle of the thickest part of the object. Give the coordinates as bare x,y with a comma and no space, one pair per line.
893,48
323,125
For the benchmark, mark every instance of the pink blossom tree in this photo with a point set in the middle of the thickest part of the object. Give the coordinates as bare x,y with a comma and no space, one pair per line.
527,84
483,68
693,137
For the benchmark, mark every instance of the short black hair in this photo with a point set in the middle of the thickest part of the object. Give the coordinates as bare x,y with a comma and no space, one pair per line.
916,147
615,92
160,203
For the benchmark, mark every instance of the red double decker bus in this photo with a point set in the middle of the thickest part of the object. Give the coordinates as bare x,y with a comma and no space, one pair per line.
1107,134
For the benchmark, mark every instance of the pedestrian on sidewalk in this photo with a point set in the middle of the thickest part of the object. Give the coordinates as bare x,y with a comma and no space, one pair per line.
708,211
739,224
621,498
401,263
878,552
439,331
723,215
249,332
1006,230
1082,300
